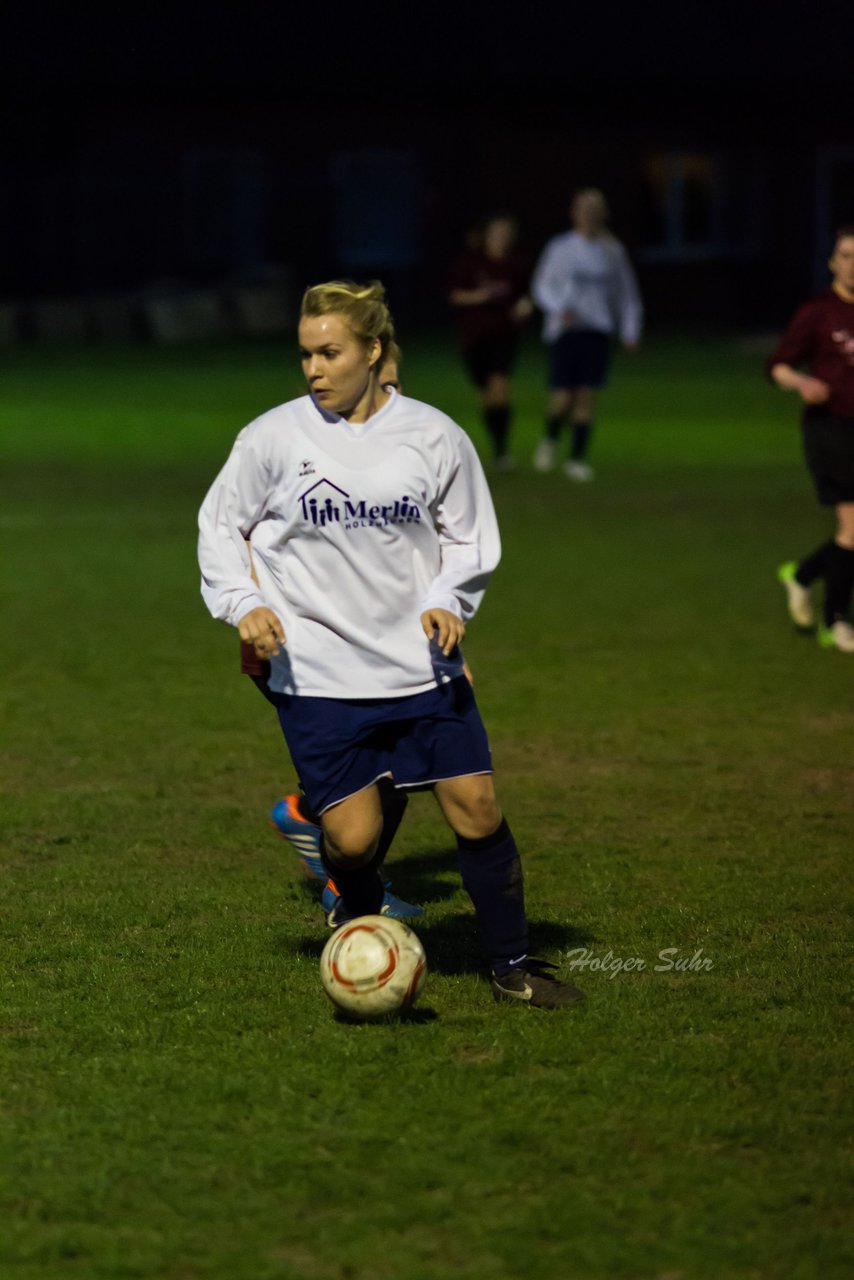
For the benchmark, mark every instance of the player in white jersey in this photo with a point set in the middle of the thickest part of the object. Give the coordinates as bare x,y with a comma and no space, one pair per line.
292,816
373,538
585,285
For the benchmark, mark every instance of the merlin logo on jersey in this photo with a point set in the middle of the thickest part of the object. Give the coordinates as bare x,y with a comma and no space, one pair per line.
325,504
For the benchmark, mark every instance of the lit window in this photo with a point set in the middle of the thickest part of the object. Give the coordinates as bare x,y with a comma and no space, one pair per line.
680,206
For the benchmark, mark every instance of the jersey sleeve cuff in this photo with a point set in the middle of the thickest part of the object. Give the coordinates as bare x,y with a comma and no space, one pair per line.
449,603
247,604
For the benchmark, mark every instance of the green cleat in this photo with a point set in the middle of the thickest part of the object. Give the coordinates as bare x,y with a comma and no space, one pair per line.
798,598
840,635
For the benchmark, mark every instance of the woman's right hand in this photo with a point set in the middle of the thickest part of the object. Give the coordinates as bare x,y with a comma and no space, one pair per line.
262,629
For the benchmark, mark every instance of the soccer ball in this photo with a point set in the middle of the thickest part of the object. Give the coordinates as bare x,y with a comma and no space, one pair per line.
372,967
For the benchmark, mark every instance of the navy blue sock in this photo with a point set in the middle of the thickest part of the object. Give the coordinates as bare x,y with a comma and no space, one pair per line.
361,888
581,433
492,875
554,426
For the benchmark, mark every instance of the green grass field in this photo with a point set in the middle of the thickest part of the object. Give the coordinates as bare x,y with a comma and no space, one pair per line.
178,1100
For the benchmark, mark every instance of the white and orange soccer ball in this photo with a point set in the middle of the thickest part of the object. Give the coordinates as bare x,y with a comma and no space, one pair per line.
372,967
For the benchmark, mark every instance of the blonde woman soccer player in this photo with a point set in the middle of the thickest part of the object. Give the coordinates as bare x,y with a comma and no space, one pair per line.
373,537
815,359
585,285
292,816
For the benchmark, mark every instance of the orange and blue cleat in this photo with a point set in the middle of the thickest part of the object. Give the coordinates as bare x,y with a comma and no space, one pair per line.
302,834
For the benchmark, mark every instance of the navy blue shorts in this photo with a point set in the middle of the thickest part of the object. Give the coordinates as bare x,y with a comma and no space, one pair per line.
341,745
579,358
493,354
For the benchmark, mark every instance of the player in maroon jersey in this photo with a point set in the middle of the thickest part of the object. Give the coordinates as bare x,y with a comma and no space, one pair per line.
815,359
488,290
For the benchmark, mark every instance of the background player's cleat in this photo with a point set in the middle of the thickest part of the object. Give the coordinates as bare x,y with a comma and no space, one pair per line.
544,455
531,983
336,913
580,472
839,635
303,835
798,598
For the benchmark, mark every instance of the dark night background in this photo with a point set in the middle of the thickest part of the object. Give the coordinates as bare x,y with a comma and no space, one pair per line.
191,145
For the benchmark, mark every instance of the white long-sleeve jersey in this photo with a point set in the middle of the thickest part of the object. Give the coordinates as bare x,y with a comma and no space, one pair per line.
356,529
594,280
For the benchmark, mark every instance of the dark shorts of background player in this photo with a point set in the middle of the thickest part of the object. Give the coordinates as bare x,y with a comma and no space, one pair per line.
829,451
340,746
493,354
579,358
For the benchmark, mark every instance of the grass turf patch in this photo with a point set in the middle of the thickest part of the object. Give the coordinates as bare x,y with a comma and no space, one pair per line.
179,1100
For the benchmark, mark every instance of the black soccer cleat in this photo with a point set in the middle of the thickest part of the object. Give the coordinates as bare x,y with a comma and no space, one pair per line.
530,983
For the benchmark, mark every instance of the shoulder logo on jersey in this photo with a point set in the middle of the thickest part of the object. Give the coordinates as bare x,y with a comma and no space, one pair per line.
845,341
326,504
306,467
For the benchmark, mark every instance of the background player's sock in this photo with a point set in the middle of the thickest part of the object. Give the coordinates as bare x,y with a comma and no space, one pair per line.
497,421
581,433
554,426
306,812
838,584
393,804
492,874
814,565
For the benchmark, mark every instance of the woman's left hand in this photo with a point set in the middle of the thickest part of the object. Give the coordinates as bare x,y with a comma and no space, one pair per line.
447,627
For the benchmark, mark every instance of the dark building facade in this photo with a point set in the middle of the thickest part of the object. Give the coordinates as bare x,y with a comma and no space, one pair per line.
725,190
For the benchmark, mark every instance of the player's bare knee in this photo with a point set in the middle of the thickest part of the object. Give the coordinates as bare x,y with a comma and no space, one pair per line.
471,809
349,850
482,819
352,829
349,842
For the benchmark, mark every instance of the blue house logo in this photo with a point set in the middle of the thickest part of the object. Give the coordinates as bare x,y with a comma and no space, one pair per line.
319,503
